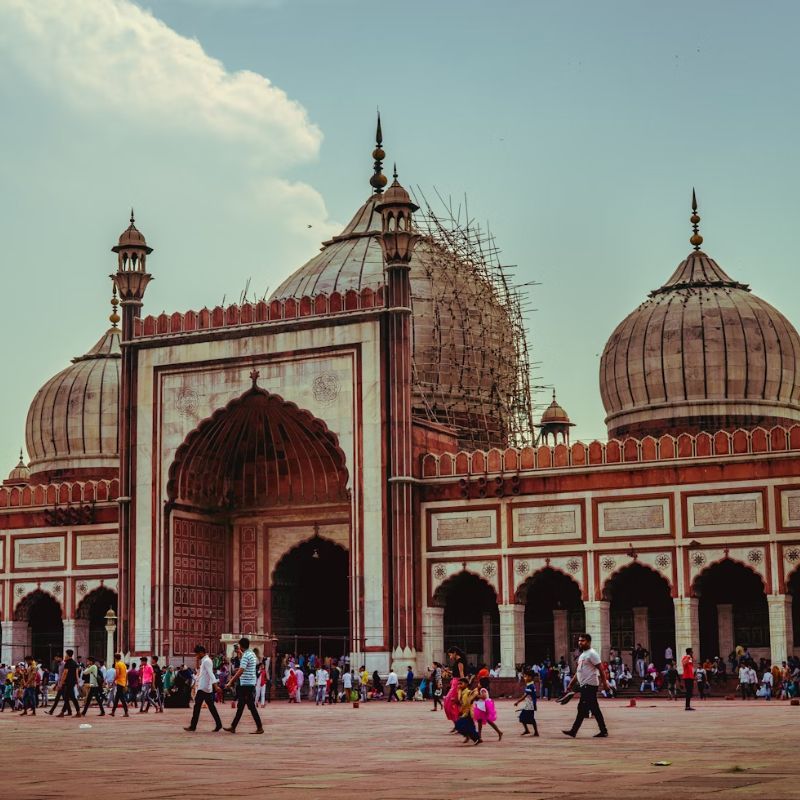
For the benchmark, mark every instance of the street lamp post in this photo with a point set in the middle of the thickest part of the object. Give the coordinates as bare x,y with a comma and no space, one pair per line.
111,627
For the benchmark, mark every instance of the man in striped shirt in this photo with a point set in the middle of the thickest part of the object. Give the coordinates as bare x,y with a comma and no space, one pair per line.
246,675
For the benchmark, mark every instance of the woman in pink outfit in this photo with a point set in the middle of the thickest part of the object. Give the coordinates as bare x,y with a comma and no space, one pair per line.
452,708
483,711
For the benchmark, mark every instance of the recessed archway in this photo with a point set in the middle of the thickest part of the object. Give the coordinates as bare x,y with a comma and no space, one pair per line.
310,599
93,608
642,612
42,612
471,617
554,615
732,607
793,588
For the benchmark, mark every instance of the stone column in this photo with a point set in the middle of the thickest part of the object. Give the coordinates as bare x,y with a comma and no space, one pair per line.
687,626
512,638
76,637
598,625
725,637
487,637
16,642
781,632
641,629
432,636
560,635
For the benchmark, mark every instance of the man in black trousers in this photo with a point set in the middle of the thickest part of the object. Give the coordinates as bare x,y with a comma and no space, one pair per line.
204,689
588,677
68,685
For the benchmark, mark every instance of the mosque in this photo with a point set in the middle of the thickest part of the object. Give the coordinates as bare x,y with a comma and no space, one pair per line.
345,467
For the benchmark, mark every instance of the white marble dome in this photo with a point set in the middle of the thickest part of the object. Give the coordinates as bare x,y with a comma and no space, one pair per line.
72,425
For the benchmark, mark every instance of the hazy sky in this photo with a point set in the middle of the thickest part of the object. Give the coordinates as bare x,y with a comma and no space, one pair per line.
577,129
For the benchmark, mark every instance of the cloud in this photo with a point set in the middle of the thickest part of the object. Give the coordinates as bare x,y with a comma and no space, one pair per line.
112,55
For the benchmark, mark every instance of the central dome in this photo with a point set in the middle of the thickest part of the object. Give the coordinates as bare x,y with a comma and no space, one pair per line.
464,361
701,353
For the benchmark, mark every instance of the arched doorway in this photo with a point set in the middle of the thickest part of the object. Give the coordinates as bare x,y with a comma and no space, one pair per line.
733,610
642,612
793,588
554,615
258,460
310,592
42,612
471,617
93,608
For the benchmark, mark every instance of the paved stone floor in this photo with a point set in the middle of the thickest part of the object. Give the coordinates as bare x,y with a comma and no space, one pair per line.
724,749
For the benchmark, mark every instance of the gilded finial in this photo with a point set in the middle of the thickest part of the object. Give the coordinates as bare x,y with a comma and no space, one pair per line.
254,376
113,317
696,239
378,179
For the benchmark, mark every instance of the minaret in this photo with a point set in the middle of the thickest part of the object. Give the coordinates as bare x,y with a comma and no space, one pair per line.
398,240
130,280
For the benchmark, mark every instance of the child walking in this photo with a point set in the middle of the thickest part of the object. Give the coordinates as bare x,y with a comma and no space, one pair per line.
528,714
484,711
465,724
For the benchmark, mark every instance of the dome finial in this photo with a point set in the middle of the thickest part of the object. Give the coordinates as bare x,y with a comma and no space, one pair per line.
696,239
378,179
132,217
21,462
113,317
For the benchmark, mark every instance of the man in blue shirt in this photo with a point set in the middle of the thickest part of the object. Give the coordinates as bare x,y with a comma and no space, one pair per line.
246,696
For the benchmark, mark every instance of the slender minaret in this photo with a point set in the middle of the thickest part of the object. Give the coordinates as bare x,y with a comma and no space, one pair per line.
130,280
398,240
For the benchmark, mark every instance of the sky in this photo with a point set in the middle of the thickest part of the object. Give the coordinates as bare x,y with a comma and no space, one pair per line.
241,133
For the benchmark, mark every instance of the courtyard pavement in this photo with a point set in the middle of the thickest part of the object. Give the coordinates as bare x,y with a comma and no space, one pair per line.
401,750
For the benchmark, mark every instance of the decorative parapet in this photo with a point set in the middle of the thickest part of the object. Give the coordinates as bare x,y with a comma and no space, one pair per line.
256,313
614,452
59,494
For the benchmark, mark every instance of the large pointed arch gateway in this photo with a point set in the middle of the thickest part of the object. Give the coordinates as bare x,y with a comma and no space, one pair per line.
250,483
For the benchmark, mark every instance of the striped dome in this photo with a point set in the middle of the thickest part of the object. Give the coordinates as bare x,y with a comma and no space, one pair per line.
701,353
464,362
72,423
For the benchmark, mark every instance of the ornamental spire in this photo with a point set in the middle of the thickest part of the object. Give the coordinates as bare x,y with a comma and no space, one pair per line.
696,239
113,317
378,179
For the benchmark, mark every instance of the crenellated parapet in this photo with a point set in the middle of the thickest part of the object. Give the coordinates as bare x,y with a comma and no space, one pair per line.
614,452
48,495
284,310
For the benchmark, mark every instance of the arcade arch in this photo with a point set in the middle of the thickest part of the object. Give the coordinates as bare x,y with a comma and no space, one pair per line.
471,617
641,611
554,615
43,614
732,610
93,609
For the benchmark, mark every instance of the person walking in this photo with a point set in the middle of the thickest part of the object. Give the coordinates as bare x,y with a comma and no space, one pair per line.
91,675
687,674
120,684
29,687
69,685
246,675
409,683
588,678
205,687
158,685
59,664
528,714
146,676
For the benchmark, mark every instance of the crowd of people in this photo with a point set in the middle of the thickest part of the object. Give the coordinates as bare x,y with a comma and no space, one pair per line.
460,689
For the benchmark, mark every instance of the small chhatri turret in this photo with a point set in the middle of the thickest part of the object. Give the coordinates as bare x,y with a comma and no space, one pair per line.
131,277
555,422
20,474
